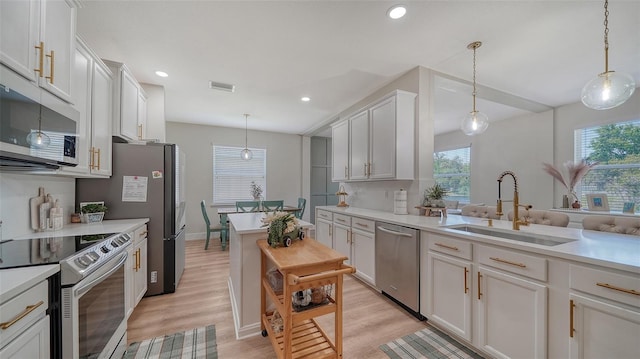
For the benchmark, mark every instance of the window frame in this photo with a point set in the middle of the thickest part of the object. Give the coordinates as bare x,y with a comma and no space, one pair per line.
437,176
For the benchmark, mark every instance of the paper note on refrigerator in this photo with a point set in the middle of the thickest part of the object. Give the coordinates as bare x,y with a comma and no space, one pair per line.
134,188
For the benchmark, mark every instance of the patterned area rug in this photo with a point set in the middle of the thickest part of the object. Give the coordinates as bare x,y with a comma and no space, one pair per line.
427,343
197,343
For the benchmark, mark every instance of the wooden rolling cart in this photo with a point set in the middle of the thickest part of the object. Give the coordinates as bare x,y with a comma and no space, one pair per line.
304,265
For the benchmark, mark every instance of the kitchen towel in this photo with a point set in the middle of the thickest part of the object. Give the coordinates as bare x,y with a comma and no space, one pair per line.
400,202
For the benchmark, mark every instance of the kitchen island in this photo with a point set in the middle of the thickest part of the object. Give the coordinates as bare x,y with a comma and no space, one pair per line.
244,270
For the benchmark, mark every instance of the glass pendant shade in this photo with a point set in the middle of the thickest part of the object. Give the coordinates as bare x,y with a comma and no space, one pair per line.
474,123
38,139
608,90
246,154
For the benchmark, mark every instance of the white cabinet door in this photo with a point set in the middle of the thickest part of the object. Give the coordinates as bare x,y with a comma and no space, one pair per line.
19,33
340,151
140,275
81,93
129,106
32,343
129,280
323,232
359,146
382,140
593,334
58,32
342,240
449,293
511,314
24,26
364,255
101,119
142,114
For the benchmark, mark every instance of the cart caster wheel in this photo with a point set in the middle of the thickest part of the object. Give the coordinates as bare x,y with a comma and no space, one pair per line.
301,235
287,241
264,333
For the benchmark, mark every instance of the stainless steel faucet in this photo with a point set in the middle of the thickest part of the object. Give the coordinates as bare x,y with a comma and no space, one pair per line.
516,218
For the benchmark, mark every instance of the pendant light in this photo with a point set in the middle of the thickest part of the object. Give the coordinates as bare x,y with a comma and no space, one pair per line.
38,139
246,154
475,122
609,89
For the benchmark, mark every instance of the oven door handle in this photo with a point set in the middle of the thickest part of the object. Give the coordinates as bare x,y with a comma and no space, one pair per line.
83,289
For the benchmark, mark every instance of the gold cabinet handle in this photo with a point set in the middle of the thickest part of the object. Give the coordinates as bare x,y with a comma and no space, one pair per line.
143,233
571,328
98,154
624,290
139,132
362,225
369,174
446,246
479,288
51,67
365,169
91,158
40,68
466,287
28,309
138,260
521,265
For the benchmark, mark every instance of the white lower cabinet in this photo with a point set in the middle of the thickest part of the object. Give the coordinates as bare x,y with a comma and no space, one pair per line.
324,228
449,302
511,314
342,240
136,269
32,343
355,238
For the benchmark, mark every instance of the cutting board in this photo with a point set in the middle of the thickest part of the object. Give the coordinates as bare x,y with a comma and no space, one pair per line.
34,209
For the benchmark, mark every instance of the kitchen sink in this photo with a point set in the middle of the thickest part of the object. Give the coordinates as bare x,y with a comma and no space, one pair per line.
513,235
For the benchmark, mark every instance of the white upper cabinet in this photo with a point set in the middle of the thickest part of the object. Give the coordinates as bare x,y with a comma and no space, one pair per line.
380,141
340,151
37,40
129,103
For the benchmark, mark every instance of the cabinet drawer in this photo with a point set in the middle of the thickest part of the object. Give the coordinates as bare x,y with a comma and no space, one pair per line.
31,303
610,285
363,224
324,214
342,219
140,233
514,262
450,246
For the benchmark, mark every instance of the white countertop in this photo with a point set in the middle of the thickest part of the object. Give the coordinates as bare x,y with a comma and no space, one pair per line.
246,223
77,229
611,250
17,280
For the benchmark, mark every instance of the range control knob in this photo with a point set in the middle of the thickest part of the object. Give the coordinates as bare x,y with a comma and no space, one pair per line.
104,249
93,255
84,261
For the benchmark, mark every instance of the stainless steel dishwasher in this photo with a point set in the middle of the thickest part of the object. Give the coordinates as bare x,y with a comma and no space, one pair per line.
398,265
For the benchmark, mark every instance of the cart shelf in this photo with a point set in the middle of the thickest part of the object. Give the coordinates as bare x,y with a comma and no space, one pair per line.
304,265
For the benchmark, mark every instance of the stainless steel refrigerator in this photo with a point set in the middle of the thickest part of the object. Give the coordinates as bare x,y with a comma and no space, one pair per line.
147,181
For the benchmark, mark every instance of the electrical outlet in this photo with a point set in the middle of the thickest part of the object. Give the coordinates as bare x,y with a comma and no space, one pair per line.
154,276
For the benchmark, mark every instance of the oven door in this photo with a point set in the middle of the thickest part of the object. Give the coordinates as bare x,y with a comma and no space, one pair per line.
93,313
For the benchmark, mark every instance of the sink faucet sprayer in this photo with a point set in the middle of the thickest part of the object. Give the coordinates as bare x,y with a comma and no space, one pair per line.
516,218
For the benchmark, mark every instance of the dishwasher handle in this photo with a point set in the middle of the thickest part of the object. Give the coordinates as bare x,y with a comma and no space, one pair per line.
395,233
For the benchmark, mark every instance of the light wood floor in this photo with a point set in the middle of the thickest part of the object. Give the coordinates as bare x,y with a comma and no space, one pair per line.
202,298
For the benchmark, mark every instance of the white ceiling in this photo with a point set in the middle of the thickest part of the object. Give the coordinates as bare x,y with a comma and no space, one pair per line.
337,52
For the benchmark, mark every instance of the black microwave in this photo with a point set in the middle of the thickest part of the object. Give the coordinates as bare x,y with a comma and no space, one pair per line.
37,130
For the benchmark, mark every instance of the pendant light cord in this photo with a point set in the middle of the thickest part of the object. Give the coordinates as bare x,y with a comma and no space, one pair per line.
246,116
474,78
606,36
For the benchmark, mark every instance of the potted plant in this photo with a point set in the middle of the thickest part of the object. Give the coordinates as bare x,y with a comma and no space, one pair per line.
92,212
433,196
256,191
282,228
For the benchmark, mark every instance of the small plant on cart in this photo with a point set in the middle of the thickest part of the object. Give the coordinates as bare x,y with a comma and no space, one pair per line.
282,228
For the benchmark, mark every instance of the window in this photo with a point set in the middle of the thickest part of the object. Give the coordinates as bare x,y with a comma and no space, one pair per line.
616,148
451,169
232,176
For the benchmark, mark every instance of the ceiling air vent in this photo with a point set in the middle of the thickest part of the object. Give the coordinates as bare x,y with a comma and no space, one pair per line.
221,86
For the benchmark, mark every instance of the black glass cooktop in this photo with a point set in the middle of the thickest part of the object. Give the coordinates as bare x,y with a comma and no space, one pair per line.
16,253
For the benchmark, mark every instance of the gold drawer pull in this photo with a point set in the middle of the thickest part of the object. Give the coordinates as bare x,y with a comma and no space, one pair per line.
521,265
362,225
609,286
571,307
143,233
446,246
27,310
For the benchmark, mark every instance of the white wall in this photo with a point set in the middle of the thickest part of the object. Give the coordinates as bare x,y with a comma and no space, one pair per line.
284,165
17,189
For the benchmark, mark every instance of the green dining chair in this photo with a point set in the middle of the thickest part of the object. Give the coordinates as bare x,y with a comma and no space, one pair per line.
213,228
247,206
301,204
271,206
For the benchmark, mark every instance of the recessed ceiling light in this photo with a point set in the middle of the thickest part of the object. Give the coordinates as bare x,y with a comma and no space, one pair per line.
305,99
397,11
162,73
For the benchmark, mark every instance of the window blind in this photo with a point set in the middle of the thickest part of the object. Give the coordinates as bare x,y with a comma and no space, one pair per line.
232,176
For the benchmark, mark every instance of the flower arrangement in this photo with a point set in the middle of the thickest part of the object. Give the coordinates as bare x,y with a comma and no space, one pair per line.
256,190
574,172
281,225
